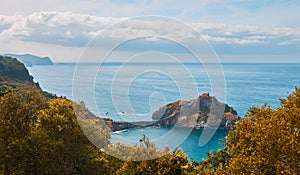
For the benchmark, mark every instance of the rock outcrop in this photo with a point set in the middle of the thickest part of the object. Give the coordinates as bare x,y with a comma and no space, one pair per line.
122,125
202,112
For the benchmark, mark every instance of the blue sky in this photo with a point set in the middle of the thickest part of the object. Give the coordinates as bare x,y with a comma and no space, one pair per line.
238,30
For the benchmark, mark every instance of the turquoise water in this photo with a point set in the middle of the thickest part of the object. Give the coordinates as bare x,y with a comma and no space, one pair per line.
190,145
132,92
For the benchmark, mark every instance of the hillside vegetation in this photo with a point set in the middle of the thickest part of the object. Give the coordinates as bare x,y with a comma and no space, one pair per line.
14,75
12,70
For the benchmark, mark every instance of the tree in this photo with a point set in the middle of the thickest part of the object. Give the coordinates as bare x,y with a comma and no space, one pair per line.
18,113
266,141
166,162
145,158
63,148
40,136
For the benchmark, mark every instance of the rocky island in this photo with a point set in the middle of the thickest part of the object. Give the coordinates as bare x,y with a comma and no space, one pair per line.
203,112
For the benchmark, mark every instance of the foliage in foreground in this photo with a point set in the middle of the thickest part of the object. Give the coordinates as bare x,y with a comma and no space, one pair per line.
266,141
42,136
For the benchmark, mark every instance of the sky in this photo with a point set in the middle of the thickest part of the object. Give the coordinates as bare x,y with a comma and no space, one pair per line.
237,30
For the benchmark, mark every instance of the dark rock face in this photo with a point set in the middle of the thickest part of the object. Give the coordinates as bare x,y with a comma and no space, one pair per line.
122,125
205,111
117,126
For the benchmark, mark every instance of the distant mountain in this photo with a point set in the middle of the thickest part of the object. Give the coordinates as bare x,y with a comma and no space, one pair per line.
29,60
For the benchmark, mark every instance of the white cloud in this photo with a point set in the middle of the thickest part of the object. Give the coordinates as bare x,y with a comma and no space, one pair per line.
230,40
40,26
56,26
67,29
69,34
257,13
15,26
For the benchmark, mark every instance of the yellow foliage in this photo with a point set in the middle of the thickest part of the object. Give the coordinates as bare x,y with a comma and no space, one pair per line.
266,141
42,136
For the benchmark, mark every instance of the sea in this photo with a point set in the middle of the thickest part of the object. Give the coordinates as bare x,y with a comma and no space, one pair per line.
133,91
